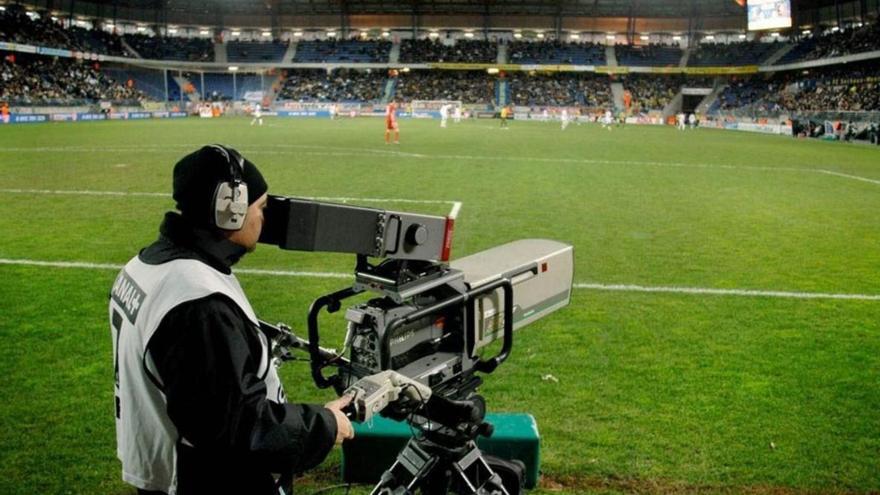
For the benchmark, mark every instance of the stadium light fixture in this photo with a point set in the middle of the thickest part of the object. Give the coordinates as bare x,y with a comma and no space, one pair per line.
298,34
517,35
468,34
233,68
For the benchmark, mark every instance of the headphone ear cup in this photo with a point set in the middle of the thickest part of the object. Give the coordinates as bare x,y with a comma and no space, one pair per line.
230,205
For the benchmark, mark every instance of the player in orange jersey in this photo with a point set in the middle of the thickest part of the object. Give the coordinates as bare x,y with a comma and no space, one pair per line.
391,123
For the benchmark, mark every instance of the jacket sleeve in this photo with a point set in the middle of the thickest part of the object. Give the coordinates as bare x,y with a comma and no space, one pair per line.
207,355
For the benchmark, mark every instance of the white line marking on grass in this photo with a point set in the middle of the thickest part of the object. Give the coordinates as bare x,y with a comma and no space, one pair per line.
725,292
341,199
581,286
848,176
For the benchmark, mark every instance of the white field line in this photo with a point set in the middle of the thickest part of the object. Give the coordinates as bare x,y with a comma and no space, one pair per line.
341,199
286,149
581,286
848,176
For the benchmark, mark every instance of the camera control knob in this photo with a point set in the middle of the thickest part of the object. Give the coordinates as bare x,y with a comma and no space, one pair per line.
416,234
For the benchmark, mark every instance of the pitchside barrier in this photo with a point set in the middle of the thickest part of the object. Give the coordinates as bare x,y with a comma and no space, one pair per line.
31,118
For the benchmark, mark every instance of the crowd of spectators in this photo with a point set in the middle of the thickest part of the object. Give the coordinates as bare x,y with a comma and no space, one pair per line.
555,52
652,55
560,89
337,86
464,86
17,27
58,81
430,50
171,48
652,92
353,50
854,88
844,42
741,53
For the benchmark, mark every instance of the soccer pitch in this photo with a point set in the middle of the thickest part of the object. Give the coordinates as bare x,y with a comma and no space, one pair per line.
723,334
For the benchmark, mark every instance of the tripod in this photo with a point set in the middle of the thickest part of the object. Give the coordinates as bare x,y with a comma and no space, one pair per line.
437,470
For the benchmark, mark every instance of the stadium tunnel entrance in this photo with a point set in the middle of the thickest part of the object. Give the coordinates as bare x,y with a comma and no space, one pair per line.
689,103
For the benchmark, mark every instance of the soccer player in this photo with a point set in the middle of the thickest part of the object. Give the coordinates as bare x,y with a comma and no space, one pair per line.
564,118
505,113
444,114
681,121
608,120
4,113
456,114
692,120
391,123
258,114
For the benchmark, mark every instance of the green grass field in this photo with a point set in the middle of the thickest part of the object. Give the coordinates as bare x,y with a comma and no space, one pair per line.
657,392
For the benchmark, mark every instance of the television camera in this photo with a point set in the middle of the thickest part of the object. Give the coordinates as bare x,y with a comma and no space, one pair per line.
413,352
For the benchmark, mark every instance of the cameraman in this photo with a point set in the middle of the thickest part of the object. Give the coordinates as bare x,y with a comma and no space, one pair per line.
199,406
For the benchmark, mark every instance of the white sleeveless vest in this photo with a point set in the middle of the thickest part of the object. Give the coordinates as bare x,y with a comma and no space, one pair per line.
140,298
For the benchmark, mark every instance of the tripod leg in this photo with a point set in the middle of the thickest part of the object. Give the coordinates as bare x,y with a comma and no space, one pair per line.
476,476
411,467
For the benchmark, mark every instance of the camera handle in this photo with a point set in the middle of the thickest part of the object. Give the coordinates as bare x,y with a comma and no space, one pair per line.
318,361
486,366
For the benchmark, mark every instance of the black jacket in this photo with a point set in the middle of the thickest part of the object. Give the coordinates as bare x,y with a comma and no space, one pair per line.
207,353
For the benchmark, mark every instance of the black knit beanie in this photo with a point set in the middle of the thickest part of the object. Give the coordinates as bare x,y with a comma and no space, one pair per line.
196,177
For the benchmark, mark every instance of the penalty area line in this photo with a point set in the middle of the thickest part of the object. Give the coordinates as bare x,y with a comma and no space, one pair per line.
698,291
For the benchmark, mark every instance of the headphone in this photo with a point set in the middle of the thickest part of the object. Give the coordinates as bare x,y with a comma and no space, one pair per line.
230,198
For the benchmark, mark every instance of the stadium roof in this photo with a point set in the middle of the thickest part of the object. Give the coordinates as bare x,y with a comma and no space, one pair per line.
591,8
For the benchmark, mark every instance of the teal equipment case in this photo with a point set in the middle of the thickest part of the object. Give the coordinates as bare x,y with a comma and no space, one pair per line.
375,446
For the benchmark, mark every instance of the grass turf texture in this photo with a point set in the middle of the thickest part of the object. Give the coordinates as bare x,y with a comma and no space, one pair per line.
677,393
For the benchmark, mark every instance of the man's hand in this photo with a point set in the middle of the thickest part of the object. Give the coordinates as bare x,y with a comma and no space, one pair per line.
344,430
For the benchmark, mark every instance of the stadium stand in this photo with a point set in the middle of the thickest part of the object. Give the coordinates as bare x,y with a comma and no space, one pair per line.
59,81
149,82
564,89
845,42
339,86
342,51
723,54
555,52
17,27
171,48
652,92
653,55
853,88
465,86
247,51
427,50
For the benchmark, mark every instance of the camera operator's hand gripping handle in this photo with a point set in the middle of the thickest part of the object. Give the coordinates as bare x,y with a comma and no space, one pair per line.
318,362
